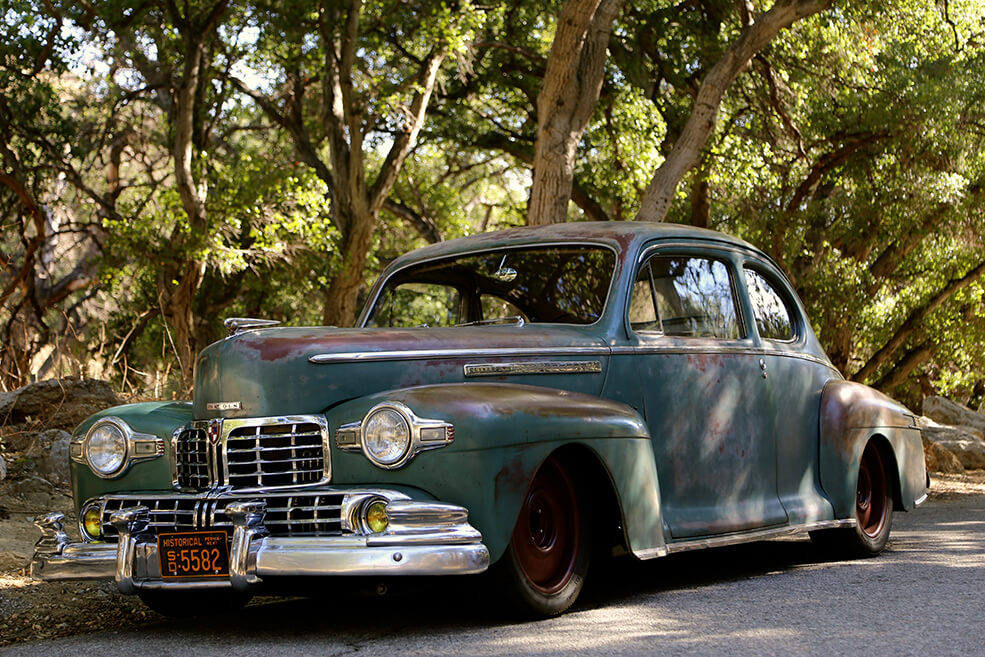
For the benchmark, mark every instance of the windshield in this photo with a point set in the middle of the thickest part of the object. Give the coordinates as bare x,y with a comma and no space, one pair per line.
557,284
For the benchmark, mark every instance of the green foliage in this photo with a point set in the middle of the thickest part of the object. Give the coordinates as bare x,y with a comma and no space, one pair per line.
851,150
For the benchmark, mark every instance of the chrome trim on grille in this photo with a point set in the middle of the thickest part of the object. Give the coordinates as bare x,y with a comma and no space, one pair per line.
252,453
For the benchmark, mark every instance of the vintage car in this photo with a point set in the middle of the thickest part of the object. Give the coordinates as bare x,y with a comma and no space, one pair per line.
526,401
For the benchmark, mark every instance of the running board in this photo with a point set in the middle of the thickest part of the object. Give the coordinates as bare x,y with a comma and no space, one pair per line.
742,537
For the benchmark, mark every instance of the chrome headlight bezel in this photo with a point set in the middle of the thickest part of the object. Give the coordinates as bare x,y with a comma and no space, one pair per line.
381,444
423,434
133,447
122,447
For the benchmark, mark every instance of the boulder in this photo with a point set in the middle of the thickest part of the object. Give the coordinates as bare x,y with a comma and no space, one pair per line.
967,447
50,455
939,458
945,411
54,404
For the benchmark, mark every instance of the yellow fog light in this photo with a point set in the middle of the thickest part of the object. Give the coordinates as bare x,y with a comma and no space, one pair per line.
376,517
92,521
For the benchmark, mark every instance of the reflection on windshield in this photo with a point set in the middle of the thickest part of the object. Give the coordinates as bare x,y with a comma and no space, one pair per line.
564,284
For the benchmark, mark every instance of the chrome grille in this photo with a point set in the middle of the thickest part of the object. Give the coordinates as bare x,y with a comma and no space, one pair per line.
287,515
275,455
252,453
191,451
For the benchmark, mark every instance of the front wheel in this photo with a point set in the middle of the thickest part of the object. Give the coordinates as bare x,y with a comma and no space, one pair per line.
547,559
873,511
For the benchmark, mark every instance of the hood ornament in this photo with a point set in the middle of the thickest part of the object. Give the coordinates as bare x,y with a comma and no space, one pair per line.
239,324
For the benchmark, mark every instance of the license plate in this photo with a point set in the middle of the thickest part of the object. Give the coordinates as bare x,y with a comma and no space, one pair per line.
194,554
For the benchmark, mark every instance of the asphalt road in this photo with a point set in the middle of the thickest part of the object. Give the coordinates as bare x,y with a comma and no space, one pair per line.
924,596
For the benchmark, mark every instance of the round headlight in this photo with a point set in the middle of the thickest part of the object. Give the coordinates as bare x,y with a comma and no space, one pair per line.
386,436
106,448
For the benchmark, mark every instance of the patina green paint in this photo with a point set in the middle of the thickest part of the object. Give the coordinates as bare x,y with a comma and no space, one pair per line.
853,414
156,418
503,432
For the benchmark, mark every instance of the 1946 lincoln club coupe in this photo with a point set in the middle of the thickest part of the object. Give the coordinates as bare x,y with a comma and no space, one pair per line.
521,401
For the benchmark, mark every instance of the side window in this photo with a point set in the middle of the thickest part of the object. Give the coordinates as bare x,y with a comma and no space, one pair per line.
773,316
689,296
643,303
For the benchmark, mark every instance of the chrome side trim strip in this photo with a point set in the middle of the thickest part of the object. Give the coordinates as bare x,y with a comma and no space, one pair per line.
757,535
920,500
425,354
538,367
714,349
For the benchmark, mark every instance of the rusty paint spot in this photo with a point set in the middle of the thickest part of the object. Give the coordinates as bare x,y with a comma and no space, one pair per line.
511,477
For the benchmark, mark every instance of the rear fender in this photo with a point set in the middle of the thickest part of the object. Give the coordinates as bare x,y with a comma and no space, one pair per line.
852,415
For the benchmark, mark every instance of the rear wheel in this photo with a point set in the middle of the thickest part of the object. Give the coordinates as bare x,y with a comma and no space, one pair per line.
184,604
547,559
873,510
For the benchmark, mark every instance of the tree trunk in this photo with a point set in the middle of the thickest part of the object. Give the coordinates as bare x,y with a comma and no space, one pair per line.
178,283
342,296
572,83
687,149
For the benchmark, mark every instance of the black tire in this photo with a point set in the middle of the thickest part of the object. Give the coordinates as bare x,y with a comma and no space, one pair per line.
185,604
545,564
873,511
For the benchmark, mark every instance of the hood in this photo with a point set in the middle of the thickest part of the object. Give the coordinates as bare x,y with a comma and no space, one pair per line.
285,371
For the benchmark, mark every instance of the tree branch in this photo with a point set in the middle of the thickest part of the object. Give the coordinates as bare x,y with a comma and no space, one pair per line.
913,322
704,113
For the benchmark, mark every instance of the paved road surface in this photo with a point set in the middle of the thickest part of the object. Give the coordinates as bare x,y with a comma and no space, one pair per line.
925,596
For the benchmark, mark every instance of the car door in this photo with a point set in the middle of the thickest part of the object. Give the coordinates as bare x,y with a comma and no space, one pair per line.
797,370
706,401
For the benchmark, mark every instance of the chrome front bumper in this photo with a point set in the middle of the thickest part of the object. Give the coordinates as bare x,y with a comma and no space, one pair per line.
423,538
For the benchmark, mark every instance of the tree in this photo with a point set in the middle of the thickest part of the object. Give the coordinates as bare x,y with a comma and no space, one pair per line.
755,35
570,91
370,88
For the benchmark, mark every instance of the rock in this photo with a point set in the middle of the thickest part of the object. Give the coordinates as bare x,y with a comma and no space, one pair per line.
52,404
3,469
12,562
939,458
967,447
945,411
34,493
52,455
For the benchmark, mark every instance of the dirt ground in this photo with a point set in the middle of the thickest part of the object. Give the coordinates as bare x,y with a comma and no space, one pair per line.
41,610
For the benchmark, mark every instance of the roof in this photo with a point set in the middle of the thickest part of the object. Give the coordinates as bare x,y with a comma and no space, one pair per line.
620,234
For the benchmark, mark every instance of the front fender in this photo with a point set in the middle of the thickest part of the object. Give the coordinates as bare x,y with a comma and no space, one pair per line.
160,419
503,432
853,414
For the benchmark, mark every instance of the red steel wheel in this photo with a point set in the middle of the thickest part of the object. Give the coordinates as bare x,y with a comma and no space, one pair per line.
547,558
872,493
546,535
873,511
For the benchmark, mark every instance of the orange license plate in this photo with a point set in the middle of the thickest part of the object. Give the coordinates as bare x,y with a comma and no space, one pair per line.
194,554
